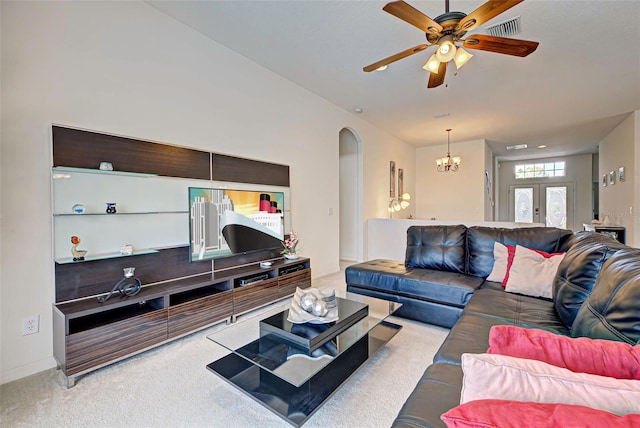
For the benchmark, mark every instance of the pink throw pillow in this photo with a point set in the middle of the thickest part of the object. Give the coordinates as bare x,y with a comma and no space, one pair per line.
594,356
502,377
502,260
517,414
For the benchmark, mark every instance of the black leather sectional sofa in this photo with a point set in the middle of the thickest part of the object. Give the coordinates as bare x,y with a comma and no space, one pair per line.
596,293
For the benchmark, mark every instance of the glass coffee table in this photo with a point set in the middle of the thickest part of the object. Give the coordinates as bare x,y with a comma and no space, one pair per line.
293,369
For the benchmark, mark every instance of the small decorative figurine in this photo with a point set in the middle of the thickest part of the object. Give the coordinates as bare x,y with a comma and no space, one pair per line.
77,254
126,250
111,207
106,166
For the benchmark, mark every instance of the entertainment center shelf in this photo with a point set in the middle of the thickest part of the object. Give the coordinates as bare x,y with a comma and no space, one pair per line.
149,185
92,334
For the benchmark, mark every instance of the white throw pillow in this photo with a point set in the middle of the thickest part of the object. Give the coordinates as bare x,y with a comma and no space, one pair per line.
493,376
532,272
500,262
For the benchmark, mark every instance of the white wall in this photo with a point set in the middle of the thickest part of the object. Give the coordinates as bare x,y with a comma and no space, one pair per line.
125,68
378,150
619,202
451,195
578,171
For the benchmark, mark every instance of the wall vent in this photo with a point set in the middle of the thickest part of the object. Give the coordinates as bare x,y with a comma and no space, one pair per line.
505,28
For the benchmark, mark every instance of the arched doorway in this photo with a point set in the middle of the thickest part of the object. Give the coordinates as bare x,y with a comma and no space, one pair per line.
350,196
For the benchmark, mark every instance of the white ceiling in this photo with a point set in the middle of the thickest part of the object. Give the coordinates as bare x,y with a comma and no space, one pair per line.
580,83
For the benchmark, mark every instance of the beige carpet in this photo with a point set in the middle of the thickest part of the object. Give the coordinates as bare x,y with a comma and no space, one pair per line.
170,387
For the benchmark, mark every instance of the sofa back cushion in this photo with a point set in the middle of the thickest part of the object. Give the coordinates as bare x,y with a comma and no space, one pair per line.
437,247
578,271
480,241
611,310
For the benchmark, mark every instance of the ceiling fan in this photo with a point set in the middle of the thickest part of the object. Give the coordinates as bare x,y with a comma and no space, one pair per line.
447,31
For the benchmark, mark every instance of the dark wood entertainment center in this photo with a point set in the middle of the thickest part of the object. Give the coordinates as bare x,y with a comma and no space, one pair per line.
177,297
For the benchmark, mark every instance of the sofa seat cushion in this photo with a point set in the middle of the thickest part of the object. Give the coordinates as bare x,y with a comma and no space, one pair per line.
578,270
488,308
611,310
437,286
437,247
438,388
380,274
516,309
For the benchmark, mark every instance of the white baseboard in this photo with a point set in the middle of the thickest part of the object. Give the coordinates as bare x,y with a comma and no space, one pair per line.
27,370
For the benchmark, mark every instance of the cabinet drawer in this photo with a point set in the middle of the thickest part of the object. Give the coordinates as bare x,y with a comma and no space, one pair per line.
254,295
188,316
287,283
91,348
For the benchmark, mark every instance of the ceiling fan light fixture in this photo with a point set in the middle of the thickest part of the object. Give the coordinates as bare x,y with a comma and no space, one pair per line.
461,58
446,50
432,65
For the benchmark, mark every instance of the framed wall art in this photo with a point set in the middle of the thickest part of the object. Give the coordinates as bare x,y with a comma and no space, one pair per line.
392,179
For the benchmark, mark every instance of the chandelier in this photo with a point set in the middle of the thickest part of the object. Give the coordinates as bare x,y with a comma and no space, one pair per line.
448,163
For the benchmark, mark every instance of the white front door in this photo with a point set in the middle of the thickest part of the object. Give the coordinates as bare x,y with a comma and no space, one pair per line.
551,204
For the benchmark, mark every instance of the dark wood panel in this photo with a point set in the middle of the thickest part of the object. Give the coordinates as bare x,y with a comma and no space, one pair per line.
89,278
287,283
229,168
254,295
85,149
189,316
92,348
244,259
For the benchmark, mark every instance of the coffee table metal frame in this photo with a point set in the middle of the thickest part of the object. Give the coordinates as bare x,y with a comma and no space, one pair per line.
291,381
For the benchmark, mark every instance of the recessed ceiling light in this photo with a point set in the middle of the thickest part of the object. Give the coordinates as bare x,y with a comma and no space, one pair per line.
542,146
517,147
382,68
357,110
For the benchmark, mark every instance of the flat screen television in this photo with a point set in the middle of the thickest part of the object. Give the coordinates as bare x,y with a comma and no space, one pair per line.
227,222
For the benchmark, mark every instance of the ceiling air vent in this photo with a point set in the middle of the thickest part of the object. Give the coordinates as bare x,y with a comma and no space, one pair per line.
505,28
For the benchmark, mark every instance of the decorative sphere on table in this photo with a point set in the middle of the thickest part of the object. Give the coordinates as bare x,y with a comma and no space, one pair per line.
319,309
307,302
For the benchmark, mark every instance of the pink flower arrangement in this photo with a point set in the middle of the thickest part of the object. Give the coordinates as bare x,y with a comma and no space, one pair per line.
290,243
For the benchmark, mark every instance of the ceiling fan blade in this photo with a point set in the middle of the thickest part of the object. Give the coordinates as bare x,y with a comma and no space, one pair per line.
413,16
396,57
501,45
487,11
437,79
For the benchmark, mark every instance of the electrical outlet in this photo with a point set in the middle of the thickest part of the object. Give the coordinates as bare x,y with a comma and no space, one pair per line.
31,325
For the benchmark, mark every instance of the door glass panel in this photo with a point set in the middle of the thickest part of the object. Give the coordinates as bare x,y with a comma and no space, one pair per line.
557,207
523,204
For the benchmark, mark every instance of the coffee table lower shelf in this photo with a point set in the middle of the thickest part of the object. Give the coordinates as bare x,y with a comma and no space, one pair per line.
297,404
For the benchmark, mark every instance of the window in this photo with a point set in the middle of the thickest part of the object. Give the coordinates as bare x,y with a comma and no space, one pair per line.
537,170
